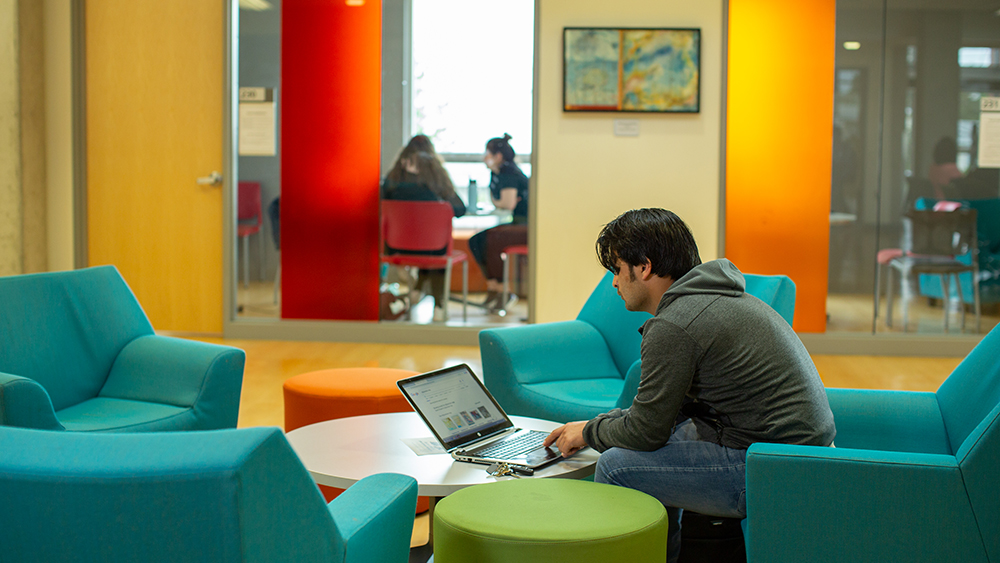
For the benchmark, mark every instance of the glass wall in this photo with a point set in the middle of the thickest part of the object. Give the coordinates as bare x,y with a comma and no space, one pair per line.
467,73
911,78
459,72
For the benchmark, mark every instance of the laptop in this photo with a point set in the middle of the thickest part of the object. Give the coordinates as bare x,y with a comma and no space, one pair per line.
469,423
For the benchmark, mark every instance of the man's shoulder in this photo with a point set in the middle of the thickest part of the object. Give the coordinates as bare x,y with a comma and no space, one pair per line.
685,310
664,327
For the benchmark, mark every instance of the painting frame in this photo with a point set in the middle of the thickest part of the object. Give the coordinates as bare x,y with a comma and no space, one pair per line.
632,69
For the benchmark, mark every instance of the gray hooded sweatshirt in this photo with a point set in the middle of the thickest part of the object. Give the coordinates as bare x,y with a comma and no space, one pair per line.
730,361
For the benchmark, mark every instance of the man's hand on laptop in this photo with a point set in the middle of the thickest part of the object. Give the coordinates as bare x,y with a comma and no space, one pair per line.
568,438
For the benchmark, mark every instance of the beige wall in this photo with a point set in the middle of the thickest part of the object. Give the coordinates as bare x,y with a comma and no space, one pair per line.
11,261
33,136
585,176
27,85
58,133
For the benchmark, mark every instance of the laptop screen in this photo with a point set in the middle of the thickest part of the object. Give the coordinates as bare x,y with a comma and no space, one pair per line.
455,405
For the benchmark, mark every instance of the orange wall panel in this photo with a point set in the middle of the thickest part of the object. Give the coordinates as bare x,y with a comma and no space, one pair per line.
779,121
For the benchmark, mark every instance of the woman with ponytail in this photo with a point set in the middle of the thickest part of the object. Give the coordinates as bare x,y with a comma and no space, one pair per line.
509,191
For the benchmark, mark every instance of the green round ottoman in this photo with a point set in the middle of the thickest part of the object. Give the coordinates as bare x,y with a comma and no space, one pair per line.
550,520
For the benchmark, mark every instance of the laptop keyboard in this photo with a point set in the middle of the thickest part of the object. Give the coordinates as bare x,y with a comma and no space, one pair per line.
515,446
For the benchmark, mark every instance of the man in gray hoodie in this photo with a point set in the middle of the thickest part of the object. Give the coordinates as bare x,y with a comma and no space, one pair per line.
720,370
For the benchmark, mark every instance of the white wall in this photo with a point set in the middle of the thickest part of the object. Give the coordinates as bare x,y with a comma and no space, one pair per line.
585,176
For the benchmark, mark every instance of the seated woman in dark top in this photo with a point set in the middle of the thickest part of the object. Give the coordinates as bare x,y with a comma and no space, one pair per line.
509,190
419,175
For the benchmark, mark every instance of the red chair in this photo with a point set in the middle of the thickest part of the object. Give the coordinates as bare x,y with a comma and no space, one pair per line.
516,250
249,219
419,227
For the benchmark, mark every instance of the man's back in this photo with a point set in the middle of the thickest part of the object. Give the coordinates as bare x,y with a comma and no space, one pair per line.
749,366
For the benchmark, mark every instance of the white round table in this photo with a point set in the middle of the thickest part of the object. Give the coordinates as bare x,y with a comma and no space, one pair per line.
340,452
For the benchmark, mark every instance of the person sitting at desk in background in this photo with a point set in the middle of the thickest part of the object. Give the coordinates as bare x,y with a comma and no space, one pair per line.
419,175
508,190
720,371
944,170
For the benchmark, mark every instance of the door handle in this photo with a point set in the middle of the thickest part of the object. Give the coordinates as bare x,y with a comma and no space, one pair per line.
213,179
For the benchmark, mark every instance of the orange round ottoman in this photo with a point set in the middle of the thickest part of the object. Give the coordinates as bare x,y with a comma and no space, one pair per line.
338,393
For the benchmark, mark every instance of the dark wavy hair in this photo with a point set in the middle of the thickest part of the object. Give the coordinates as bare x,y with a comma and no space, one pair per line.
945,150
501,146
653,234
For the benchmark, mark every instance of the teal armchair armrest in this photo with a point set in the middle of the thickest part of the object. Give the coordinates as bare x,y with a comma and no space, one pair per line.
809,503
900,421
25,404
206,378
374,518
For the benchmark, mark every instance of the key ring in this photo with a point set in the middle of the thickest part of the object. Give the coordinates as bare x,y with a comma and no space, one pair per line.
499,469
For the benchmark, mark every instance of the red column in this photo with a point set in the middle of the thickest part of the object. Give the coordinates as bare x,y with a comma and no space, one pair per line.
330,126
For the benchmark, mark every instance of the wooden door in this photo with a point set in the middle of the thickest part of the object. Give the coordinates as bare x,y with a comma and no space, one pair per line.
154,94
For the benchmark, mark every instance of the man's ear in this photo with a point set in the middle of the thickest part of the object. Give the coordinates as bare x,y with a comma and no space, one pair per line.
646,269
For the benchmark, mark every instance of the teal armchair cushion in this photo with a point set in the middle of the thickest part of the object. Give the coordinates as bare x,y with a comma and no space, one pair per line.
777,291
65,329
913,476
82,340
906,421
605,311
220,496
576,370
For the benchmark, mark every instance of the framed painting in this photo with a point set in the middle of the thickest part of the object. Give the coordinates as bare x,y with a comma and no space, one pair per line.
632,69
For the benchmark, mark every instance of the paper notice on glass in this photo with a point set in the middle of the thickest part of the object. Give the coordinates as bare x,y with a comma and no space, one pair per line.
257,131
424,446
989,132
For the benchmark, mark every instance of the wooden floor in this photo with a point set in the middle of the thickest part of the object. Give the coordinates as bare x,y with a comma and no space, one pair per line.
258,301
270,363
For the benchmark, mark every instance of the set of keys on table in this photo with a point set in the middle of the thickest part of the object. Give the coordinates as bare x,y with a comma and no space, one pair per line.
504,469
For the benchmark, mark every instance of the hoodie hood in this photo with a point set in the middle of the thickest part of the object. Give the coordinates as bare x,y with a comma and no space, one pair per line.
718,277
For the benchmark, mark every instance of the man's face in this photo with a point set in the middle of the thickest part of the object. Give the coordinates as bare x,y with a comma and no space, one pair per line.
630,286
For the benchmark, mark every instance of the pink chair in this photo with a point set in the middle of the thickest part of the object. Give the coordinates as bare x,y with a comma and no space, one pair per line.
249,220
413,229
515,250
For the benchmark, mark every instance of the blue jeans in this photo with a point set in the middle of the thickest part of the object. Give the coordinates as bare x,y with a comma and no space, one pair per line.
686,473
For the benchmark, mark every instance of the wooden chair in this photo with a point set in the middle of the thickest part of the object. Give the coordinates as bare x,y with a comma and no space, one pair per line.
933,242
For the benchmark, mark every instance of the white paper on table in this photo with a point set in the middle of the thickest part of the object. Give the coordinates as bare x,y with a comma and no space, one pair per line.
424,446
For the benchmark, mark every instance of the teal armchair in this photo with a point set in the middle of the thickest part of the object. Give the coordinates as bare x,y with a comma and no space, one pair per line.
913,477
222,496
78,353
575,370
